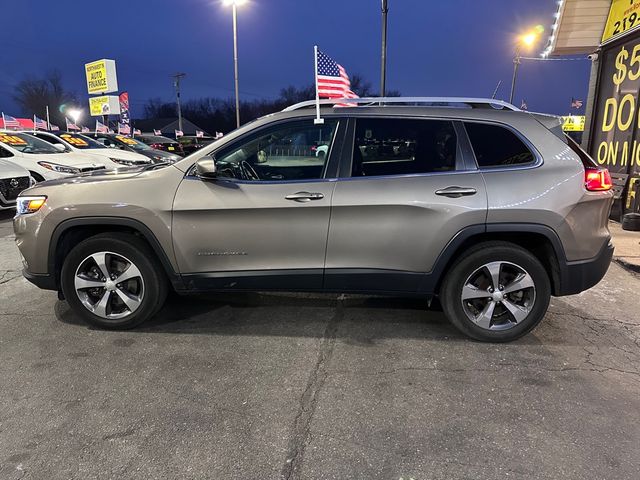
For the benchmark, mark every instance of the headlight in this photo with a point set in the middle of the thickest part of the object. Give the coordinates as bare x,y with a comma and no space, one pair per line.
59,168
123,162
26,205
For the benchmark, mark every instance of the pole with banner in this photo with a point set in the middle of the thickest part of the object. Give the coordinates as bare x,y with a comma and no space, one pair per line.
317,120
125,118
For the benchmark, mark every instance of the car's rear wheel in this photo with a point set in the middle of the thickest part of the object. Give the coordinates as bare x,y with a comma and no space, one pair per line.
497,292
112,281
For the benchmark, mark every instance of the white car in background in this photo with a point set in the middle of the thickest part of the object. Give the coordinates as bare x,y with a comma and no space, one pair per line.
43,160
82,144
13,180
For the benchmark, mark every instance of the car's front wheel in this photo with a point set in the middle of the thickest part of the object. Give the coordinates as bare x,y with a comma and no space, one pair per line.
497,292
112,281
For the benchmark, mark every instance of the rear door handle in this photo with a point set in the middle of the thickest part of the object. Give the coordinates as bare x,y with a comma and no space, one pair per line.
304,196
456,192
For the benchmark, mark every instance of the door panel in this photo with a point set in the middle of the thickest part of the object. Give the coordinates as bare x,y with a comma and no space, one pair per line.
396,224
224,226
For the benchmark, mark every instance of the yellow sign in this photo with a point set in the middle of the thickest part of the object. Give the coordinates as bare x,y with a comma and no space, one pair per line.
104,105
11,140
623,16
573,123
75,141
101,76
126,140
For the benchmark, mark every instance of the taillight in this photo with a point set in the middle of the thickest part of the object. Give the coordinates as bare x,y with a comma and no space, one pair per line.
157,146
597,180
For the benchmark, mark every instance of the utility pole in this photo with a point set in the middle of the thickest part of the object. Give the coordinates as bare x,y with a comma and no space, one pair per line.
383,70
176,83
235,60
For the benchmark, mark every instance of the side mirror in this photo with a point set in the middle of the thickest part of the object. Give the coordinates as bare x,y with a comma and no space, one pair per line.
206,168
59,147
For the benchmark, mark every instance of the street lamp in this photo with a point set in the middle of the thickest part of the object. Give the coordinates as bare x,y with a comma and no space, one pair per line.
235,4
75,115
527,41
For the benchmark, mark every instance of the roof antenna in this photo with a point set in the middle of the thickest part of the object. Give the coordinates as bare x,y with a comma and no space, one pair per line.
495,92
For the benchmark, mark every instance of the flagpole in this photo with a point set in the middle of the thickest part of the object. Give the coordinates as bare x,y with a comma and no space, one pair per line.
4,122
34,123
317,120
48,122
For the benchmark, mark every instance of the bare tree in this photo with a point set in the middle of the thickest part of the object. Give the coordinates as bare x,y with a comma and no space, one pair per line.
33,95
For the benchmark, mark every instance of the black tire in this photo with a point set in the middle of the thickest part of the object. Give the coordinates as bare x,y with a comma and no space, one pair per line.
451,293
138,252
37,177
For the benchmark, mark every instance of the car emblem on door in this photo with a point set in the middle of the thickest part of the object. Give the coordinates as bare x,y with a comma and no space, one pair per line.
13,183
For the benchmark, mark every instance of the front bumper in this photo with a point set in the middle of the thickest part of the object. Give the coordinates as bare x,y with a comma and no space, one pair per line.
576,277
44,281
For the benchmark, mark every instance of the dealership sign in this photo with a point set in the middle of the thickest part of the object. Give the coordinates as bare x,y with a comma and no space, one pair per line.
624,15
101,76
573,123
104,105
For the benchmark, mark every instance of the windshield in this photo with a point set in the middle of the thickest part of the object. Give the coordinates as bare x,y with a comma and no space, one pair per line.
80,141
131,143
27,143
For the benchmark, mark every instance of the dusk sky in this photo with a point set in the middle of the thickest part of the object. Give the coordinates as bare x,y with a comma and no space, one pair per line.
435,48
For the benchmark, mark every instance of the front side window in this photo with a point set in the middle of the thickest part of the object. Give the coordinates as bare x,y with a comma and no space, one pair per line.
295,151
385,146
496,146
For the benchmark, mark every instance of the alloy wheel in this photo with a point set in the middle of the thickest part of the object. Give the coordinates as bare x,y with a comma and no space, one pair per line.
498,295
109,285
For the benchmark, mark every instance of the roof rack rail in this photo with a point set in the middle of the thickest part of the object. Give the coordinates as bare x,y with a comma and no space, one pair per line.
427,101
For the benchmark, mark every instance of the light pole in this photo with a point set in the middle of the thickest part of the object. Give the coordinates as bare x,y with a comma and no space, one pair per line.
235,4
383,69
526,40
75,116
176,83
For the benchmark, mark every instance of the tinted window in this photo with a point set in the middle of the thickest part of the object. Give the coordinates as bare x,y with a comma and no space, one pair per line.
403,146
497,146
295,151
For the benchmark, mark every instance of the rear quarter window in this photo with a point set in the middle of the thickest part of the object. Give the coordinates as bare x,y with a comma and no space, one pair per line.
497,146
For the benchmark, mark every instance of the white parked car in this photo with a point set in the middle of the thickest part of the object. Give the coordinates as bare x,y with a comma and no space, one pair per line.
13,180
43,160
78,143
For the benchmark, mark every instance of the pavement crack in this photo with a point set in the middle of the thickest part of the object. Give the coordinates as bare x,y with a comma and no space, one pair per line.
301,435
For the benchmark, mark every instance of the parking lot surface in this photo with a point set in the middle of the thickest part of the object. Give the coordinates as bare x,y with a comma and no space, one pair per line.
269,386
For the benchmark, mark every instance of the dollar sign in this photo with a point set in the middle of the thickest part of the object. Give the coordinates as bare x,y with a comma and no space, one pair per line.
621,73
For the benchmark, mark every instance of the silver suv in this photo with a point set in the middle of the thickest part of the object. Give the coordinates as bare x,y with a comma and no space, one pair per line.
486,207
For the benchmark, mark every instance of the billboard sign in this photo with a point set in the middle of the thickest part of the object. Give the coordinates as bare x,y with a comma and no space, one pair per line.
624,15
104,105
101,76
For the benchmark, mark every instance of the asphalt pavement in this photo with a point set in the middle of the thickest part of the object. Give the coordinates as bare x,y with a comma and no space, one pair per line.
270,386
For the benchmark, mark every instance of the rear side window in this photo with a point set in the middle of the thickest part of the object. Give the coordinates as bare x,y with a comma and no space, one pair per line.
496,146
403,146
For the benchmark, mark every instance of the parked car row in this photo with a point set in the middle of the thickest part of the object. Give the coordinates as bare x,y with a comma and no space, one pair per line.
27,157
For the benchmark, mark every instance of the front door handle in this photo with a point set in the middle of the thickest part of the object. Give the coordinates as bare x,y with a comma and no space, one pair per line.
456,192
304,196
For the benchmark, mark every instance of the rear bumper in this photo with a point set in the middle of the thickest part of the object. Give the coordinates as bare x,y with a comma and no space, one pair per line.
576,277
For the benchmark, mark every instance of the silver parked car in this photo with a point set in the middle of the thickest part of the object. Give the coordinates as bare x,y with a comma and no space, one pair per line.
489,208
13,180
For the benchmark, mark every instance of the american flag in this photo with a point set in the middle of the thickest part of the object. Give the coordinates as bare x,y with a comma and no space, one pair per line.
10,122
157,132
124,128
576,103
137,131
39,123
54,128
199,134
333,81
71,125
179,133
101,128
85,130
523,105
